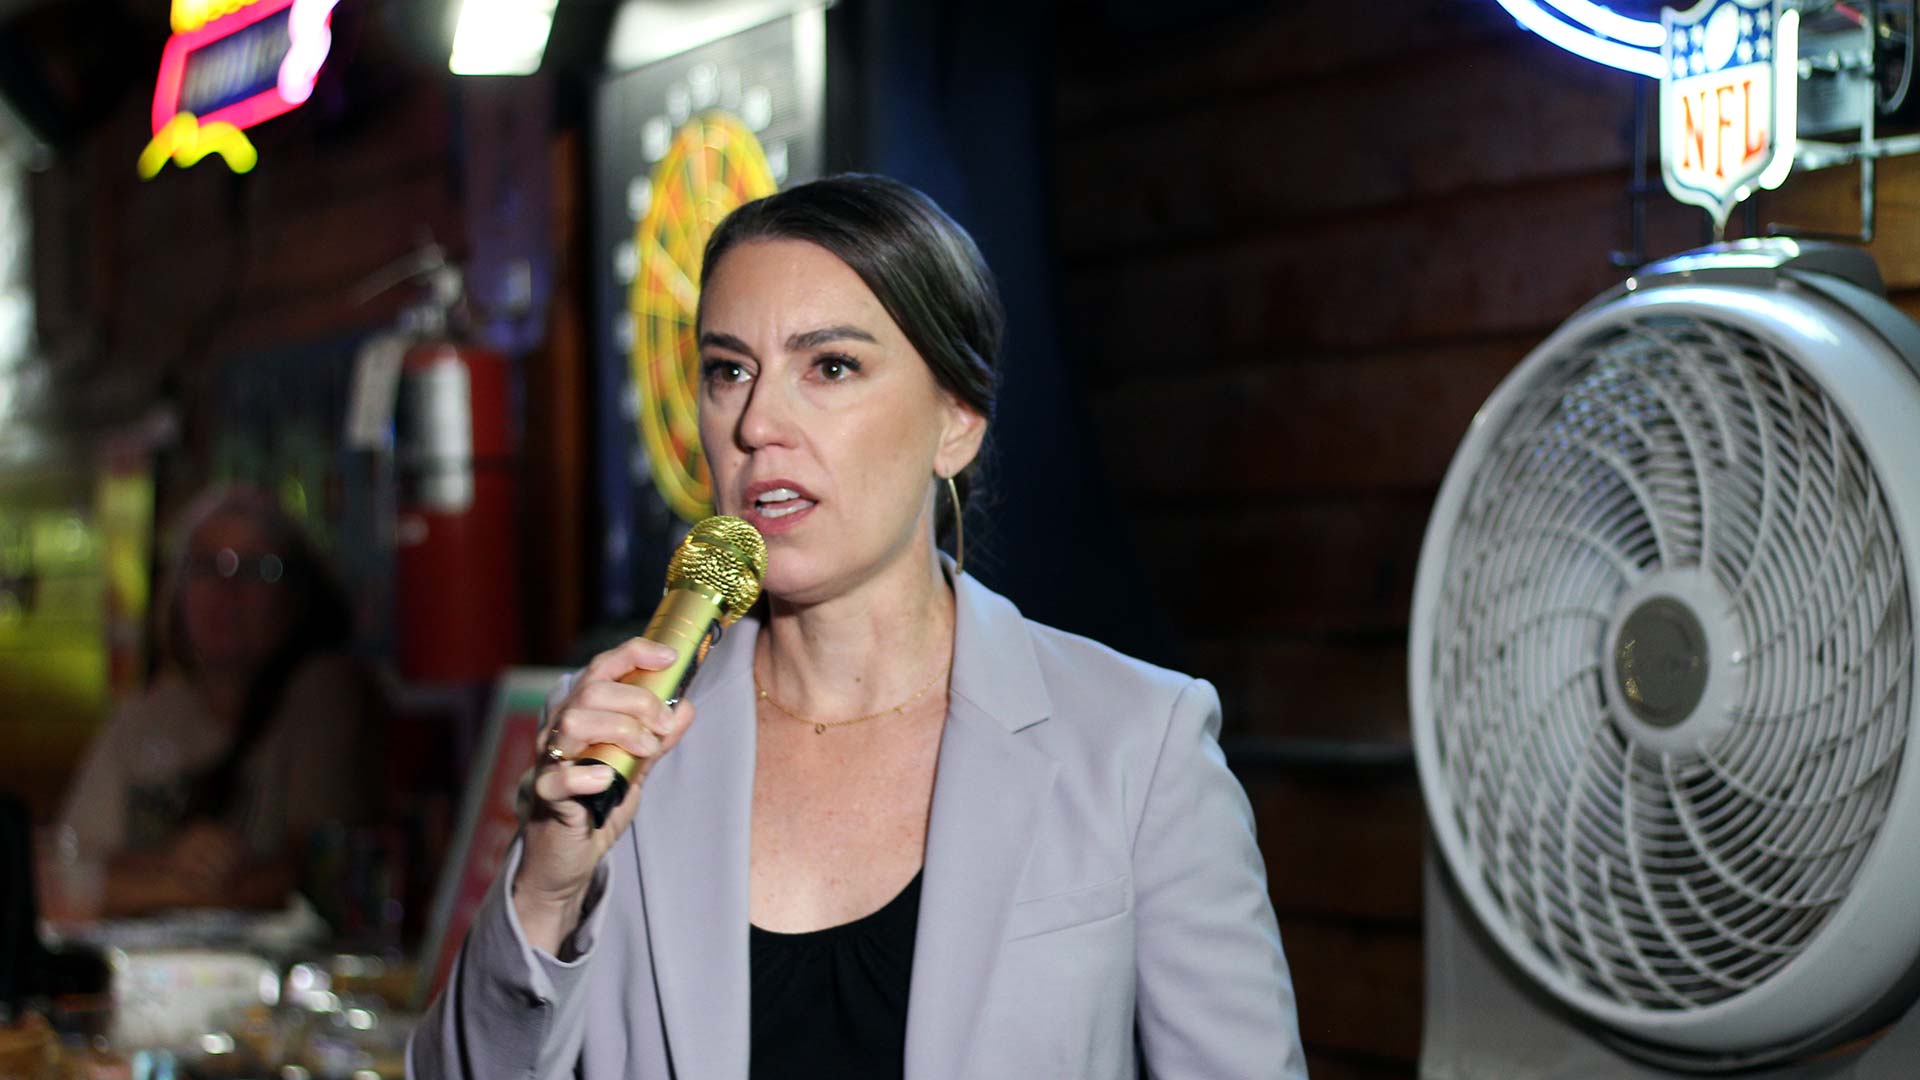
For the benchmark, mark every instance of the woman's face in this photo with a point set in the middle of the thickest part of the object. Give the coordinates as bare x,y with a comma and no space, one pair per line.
822,424
235,596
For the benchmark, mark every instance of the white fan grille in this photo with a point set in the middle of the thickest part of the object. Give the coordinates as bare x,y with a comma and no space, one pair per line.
1670,881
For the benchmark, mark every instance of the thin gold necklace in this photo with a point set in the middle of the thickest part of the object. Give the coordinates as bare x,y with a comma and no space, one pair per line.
820,726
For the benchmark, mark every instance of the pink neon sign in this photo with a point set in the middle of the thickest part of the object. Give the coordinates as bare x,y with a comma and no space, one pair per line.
309,40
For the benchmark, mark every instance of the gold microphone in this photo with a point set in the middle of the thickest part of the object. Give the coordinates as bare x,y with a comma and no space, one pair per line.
713,578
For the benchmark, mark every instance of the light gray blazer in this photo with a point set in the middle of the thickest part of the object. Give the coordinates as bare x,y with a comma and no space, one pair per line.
1091,891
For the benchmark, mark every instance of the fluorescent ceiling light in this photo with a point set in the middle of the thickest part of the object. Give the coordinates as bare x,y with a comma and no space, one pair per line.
501,37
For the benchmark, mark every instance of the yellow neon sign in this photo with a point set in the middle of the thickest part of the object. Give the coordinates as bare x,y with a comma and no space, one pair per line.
184,141
193,14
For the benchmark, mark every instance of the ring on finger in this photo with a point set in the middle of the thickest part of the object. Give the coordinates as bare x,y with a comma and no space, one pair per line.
555,754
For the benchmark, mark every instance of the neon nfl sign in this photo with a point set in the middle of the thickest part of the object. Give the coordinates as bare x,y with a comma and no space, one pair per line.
1729,86
229,65
1728,94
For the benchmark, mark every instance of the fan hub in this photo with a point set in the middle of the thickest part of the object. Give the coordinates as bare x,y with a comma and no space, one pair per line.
1673,653
1661,661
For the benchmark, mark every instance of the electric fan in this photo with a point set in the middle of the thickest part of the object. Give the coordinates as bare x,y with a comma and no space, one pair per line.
1662,665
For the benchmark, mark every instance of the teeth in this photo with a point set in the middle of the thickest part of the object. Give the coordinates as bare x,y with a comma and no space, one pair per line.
777,495
780,512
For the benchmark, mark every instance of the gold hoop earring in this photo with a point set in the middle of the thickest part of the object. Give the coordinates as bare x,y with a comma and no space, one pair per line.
959,529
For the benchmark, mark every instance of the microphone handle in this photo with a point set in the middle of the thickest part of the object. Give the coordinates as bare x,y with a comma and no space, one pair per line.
688,619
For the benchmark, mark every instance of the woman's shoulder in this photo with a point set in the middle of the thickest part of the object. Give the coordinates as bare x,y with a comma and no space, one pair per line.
1078,675
1111,705
1112,718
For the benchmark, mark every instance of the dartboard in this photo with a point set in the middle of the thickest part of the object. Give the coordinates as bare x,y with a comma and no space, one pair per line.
713,165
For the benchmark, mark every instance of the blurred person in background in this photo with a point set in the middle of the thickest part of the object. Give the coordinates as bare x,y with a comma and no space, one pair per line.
202,790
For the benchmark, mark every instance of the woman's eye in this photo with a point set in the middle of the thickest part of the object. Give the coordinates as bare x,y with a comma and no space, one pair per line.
723,371
836,368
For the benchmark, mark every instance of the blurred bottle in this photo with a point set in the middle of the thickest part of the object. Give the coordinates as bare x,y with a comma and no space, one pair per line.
356,881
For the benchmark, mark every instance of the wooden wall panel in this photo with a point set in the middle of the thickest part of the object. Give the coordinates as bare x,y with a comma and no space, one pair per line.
409,136
1341,849
1389,421
1497,262
1298,565
1359,986
1101,84
305,252
1444,122
1331,1065
197,261
1830,200
1323,687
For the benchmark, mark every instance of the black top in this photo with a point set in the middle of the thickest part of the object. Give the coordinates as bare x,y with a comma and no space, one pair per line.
833,1003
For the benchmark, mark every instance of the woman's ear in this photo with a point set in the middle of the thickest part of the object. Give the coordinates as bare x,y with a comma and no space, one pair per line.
960,437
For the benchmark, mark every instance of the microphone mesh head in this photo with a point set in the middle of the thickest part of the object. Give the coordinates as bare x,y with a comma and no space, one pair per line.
724,555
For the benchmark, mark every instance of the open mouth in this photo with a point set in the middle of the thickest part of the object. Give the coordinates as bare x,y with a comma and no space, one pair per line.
780,502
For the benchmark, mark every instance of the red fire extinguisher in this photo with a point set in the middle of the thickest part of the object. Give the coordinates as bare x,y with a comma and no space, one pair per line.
456,587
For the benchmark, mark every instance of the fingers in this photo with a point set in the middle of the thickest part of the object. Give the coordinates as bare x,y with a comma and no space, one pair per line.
634,654
680,719
563,782
610,712
578,729
616,697
593,709
589,729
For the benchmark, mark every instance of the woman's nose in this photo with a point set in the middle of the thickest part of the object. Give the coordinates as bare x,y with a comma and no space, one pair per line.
766,418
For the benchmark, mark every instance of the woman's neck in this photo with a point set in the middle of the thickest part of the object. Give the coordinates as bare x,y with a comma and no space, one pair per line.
863,651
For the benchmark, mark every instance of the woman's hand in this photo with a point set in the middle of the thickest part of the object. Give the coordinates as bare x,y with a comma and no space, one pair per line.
562,847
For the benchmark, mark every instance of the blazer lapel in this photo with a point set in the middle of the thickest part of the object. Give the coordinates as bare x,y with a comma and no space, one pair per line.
693,831
990,783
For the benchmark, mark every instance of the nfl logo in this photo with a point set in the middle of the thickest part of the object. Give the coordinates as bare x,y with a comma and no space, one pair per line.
1723,126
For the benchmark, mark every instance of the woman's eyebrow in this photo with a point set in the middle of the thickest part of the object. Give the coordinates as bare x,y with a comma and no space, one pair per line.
724,341
813,339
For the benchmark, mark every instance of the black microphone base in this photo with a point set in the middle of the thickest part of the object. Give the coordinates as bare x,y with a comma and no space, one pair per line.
601,803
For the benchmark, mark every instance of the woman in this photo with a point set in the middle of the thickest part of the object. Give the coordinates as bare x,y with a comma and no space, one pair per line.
200,791
911,833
